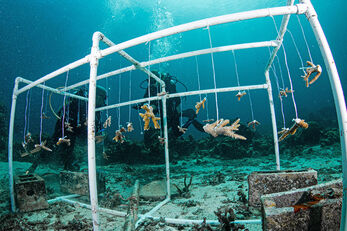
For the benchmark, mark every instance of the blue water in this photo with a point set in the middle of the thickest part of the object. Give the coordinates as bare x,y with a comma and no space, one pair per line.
38,37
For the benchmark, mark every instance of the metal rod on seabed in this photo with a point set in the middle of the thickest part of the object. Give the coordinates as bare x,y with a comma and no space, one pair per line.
208,91
178,56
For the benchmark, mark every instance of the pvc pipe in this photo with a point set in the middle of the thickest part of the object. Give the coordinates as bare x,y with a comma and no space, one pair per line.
57,199
55,73
91,131
202,24
339,99
53,89
208,91
281,33
211,50
131,59
10,144
166,139
153,210
167,220
273,120
179,56
83,205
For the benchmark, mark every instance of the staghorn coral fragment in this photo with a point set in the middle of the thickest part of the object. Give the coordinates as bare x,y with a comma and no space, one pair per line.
130,127
147,116
107,123
309,71
219,128
299,123
253,123
199,104
240,94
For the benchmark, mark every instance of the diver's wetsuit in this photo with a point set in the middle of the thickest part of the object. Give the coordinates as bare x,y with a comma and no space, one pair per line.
172,105
75,114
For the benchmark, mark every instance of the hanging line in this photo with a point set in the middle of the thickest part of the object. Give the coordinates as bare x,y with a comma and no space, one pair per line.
138,112
273,68
129,96
197,72
236,71
214,73
159,106
250,103
149,76
78,112
107,97
181,117
303,34
64,103
119,92
25,115
279,67
288,72
296,48
29,109
41,117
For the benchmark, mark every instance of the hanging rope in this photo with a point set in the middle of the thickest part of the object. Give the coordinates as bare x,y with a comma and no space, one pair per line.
149,76
296,48
250,103
64,103
129,96
273,68
119,92
41,113
181,117
303,34
288,72
236,71
197,73
214,73
25,115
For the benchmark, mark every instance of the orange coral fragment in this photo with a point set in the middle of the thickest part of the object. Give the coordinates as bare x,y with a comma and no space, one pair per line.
199,104
253,123
310,70
147,116
240,94
299,123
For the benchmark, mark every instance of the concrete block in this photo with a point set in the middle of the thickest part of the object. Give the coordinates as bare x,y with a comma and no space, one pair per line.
77,182
278,211
30,192
266,182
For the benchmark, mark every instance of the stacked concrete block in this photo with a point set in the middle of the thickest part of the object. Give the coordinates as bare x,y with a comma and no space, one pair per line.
77,182
292,210
30,192
260,183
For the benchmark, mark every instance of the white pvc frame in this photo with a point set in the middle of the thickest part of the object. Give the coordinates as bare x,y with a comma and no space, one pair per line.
305,7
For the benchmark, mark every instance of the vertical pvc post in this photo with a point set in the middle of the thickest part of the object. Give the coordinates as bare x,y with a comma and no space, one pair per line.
279,39
166,138
339,98
10,144
273,119
94,60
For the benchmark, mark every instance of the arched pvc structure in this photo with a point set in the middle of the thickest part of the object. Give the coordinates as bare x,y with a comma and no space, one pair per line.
305,7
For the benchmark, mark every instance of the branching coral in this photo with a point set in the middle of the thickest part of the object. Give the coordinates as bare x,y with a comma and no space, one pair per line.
147,116
309,71
298,123
219,128
240,94
284,92
199,104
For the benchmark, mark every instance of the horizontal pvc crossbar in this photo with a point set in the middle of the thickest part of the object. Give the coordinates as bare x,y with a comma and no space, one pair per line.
182,94
211,50
179,56
20,79
275,11
51,75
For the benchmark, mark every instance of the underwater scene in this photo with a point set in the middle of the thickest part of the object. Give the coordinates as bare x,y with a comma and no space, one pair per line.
189,133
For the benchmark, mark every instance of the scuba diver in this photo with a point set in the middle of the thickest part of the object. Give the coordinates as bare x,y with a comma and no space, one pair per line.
173,104
74,115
